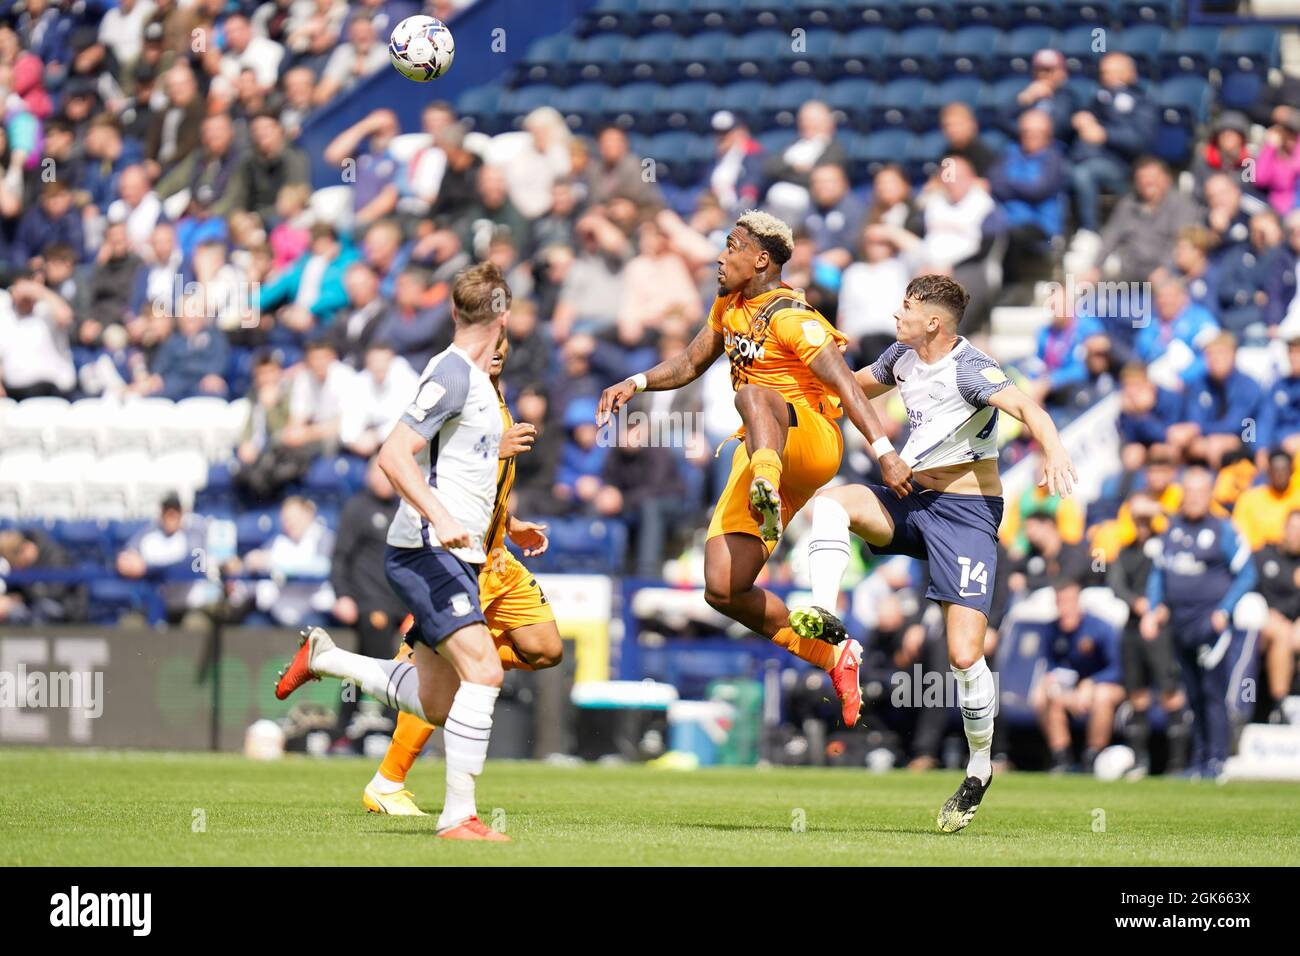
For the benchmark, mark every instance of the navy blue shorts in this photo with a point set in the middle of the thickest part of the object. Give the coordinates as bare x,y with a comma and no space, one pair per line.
956,534
437,587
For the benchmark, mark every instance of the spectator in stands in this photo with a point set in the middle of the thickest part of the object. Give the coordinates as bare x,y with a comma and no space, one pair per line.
1202,570
1111,132
493,216
418,324
107,154
246,50
1147,664
155,285
297,87
301,550
1261,511
1146,413
356,325
175,131
138,207
891,201
1029,181
1178,335
1145,223
312,289
1278,566
1227,212
582,460
1049,556
291,237
53,219
834,217
351,62
317,394
1244,279
737,175
1279,418
594,281
790,171
535,472
1277,171
1059,365
641,485
106,294
656,283
1191,264
870,291
271,165
122,29
541,162
372,173
213,164
1220,406
1083,680
961,133
1281,307
617,171
258,456
380,391
37,602
1225,151
192,360
175,540
1048,92
457,191
35,352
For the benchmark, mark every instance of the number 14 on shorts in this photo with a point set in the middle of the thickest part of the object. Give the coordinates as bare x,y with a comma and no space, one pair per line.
977,574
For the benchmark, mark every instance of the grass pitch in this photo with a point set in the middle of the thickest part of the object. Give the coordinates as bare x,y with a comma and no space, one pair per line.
74,808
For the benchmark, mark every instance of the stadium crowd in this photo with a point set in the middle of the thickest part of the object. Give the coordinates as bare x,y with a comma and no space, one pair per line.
159,236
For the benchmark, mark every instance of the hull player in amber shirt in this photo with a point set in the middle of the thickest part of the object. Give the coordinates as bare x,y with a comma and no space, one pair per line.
792,384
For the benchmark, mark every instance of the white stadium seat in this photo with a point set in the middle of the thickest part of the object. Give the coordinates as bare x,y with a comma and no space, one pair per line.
137,425
56,487
85,425
31,423
109,488
333,205
403,148
202,422
17,468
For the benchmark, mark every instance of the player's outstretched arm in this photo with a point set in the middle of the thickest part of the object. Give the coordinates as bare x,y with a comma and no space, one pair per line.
1058,471
397,461
868,383
682,369
829,366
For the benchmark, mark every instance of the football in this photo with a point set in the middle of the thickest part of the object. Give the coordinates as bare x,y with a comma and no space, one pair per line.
421,48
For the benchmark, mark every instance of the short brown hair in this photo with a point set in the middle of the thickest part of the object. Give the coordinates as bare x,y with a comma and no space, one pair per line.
942,291
480,294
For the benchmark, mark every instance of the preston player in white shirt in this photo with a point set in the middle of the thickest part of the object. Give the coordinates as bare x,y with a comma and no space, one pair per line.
950,518
441,456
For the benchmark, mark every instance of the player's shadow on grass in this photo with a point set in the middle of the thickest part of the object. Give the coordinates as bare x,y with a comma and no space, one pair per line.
813,828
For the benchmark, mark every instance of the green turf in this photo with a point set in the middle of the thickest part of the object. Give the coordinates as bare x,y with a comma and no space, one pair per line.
110,808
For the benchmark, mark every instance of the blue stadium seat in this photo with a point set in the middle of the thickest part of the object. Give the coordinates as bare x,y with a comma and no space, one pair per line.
662,15
851,100
756,55
861,52
1142,43
712,15
686,106
899,104
928,13
1184,103
110,598
868,152
766,15
814,58
514,105
1191,50
633,106
652,57
969,51
598,57
1021,655
1094,12
1083,88
776,140
481,106
680,157
959,89
1047,12
87,542
873,13
609,16
699,57
582,105
547,59
1078,44
1016,49
981,12
779,104
997,107
239,370
583,545
1166,12
120,532
1246,54
923,153
913,53
253,529
835,14
741,98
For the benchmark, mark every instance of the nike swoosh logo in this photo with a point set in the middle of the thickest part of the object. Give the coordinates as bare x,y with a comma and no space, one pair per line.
969,593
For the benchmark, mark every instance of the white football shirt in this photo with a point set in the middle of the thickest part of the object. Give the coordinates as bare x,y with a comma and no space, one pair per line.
457,411
947,403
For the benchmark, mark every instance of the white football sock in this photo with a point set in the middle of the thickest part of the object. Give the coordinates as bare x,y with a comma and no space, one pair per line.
466,734
381,784
828,551
394,682
978,698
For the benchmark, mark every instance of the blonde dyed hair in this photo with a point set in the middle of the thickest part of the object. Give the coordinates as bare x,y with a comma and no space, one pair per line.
772,234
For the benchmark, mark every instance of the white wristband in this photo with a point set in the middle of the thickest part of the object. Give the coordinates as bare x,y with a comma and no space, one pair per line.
639,381
882,446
